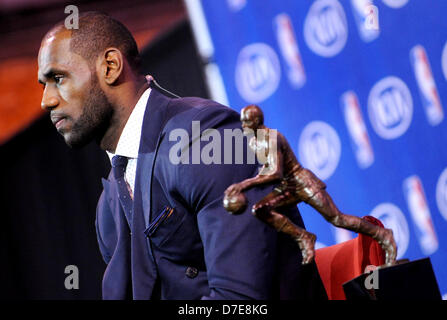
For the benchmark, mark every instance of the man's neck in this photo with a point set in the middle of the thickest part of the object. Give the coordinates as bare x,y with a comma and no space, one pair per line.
261,127
120,116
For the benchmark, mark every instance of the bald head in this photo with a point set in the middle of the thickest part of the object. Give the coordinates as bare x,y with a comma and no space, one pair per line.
252,117
253,112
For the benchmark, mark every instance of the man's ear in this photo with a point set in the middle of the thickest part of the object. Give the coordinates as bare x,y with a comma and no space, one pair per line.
111,65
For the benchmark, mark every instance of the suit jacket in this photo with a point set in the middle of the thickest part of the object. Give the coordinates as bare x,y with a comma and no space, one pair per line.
180,242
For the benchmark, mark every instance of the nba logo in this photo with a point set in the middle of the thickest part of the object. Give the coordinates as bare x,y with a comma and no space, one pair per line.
393,218
257,72
427,86
357,129
341,235
326,28
319,148
420,212
289,49
395,3
236,5
366,18
390,107
441,193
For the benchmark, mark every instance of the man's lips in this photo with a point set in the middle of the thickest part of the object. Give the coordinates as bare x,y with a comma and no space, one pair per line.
58,121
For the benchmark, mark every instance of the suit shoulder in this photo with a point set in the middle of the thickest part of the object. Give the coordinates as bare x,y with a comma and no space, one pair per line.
201,105
198,109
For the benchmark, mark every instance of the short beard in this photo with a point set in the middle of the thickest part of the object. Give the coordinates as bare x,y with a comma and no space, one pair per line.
95,118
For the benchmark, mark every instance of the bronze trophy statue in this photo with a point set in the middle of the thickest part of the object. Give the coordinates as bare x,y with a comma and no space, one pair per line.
296,184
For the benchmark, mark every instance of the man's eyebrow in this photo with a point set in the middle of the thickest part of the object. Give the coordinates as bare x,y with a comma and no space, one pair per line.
50,73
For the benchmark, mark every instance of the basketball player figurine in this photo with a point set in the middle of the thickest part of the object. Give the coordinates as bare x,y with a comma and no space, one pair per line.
296,184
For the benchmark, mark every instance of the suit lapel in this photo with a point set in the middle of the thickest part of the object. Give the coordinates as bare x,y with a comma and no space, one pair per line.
155,118
144,271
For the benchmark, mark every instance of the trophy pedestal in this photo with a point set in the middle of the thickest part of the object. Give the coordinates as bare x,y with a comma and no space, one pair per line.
413,280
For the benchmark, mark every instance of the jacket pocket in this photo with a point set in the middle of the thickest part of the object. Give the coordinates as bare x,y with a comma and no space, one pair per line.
164,225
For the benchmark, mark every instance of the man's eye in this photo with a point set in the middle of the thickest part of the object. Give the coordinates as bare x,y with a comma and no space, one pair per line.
58,78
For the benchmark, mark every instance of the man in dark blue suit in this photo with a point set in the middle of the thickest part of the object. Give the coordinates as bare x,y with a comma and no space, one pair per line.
161,226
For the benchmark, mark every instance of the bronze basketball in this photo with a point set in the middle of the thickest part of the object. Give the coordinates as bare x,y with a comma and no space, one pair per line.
235,204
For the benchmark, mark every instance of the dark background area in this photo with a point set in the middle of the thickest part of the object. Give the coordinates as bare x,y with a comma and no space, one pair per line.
49,191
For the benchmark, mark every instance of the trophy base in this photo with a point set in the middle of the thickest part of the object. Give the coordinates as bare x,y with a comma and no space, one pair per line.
406,280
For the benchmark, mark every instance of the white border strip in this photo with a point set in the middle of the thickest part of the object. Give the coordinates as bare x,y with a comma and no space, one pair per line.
205,46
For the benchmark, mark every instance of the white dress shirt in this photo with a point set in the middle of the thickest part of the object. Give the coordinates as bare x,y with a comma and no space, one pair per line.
129,141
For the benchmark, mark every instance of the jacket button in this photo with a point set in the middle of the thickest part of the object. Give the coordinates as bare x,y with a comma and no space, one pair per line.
191,272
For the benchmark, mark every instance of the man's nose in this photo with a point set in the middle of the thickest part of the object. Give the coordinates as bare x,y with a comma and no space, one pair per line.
49,100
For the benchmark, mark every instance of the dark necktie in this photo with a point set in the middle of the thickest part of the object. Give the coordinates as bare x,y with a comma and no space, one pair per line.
119,164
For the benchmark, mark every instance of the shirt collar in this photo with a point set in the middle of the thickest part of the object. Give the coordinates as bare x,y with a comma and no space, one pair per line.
129,141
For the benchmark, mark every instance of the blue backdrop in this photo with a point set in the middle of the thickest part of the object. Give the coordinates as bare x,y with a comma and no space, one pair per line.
359,91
